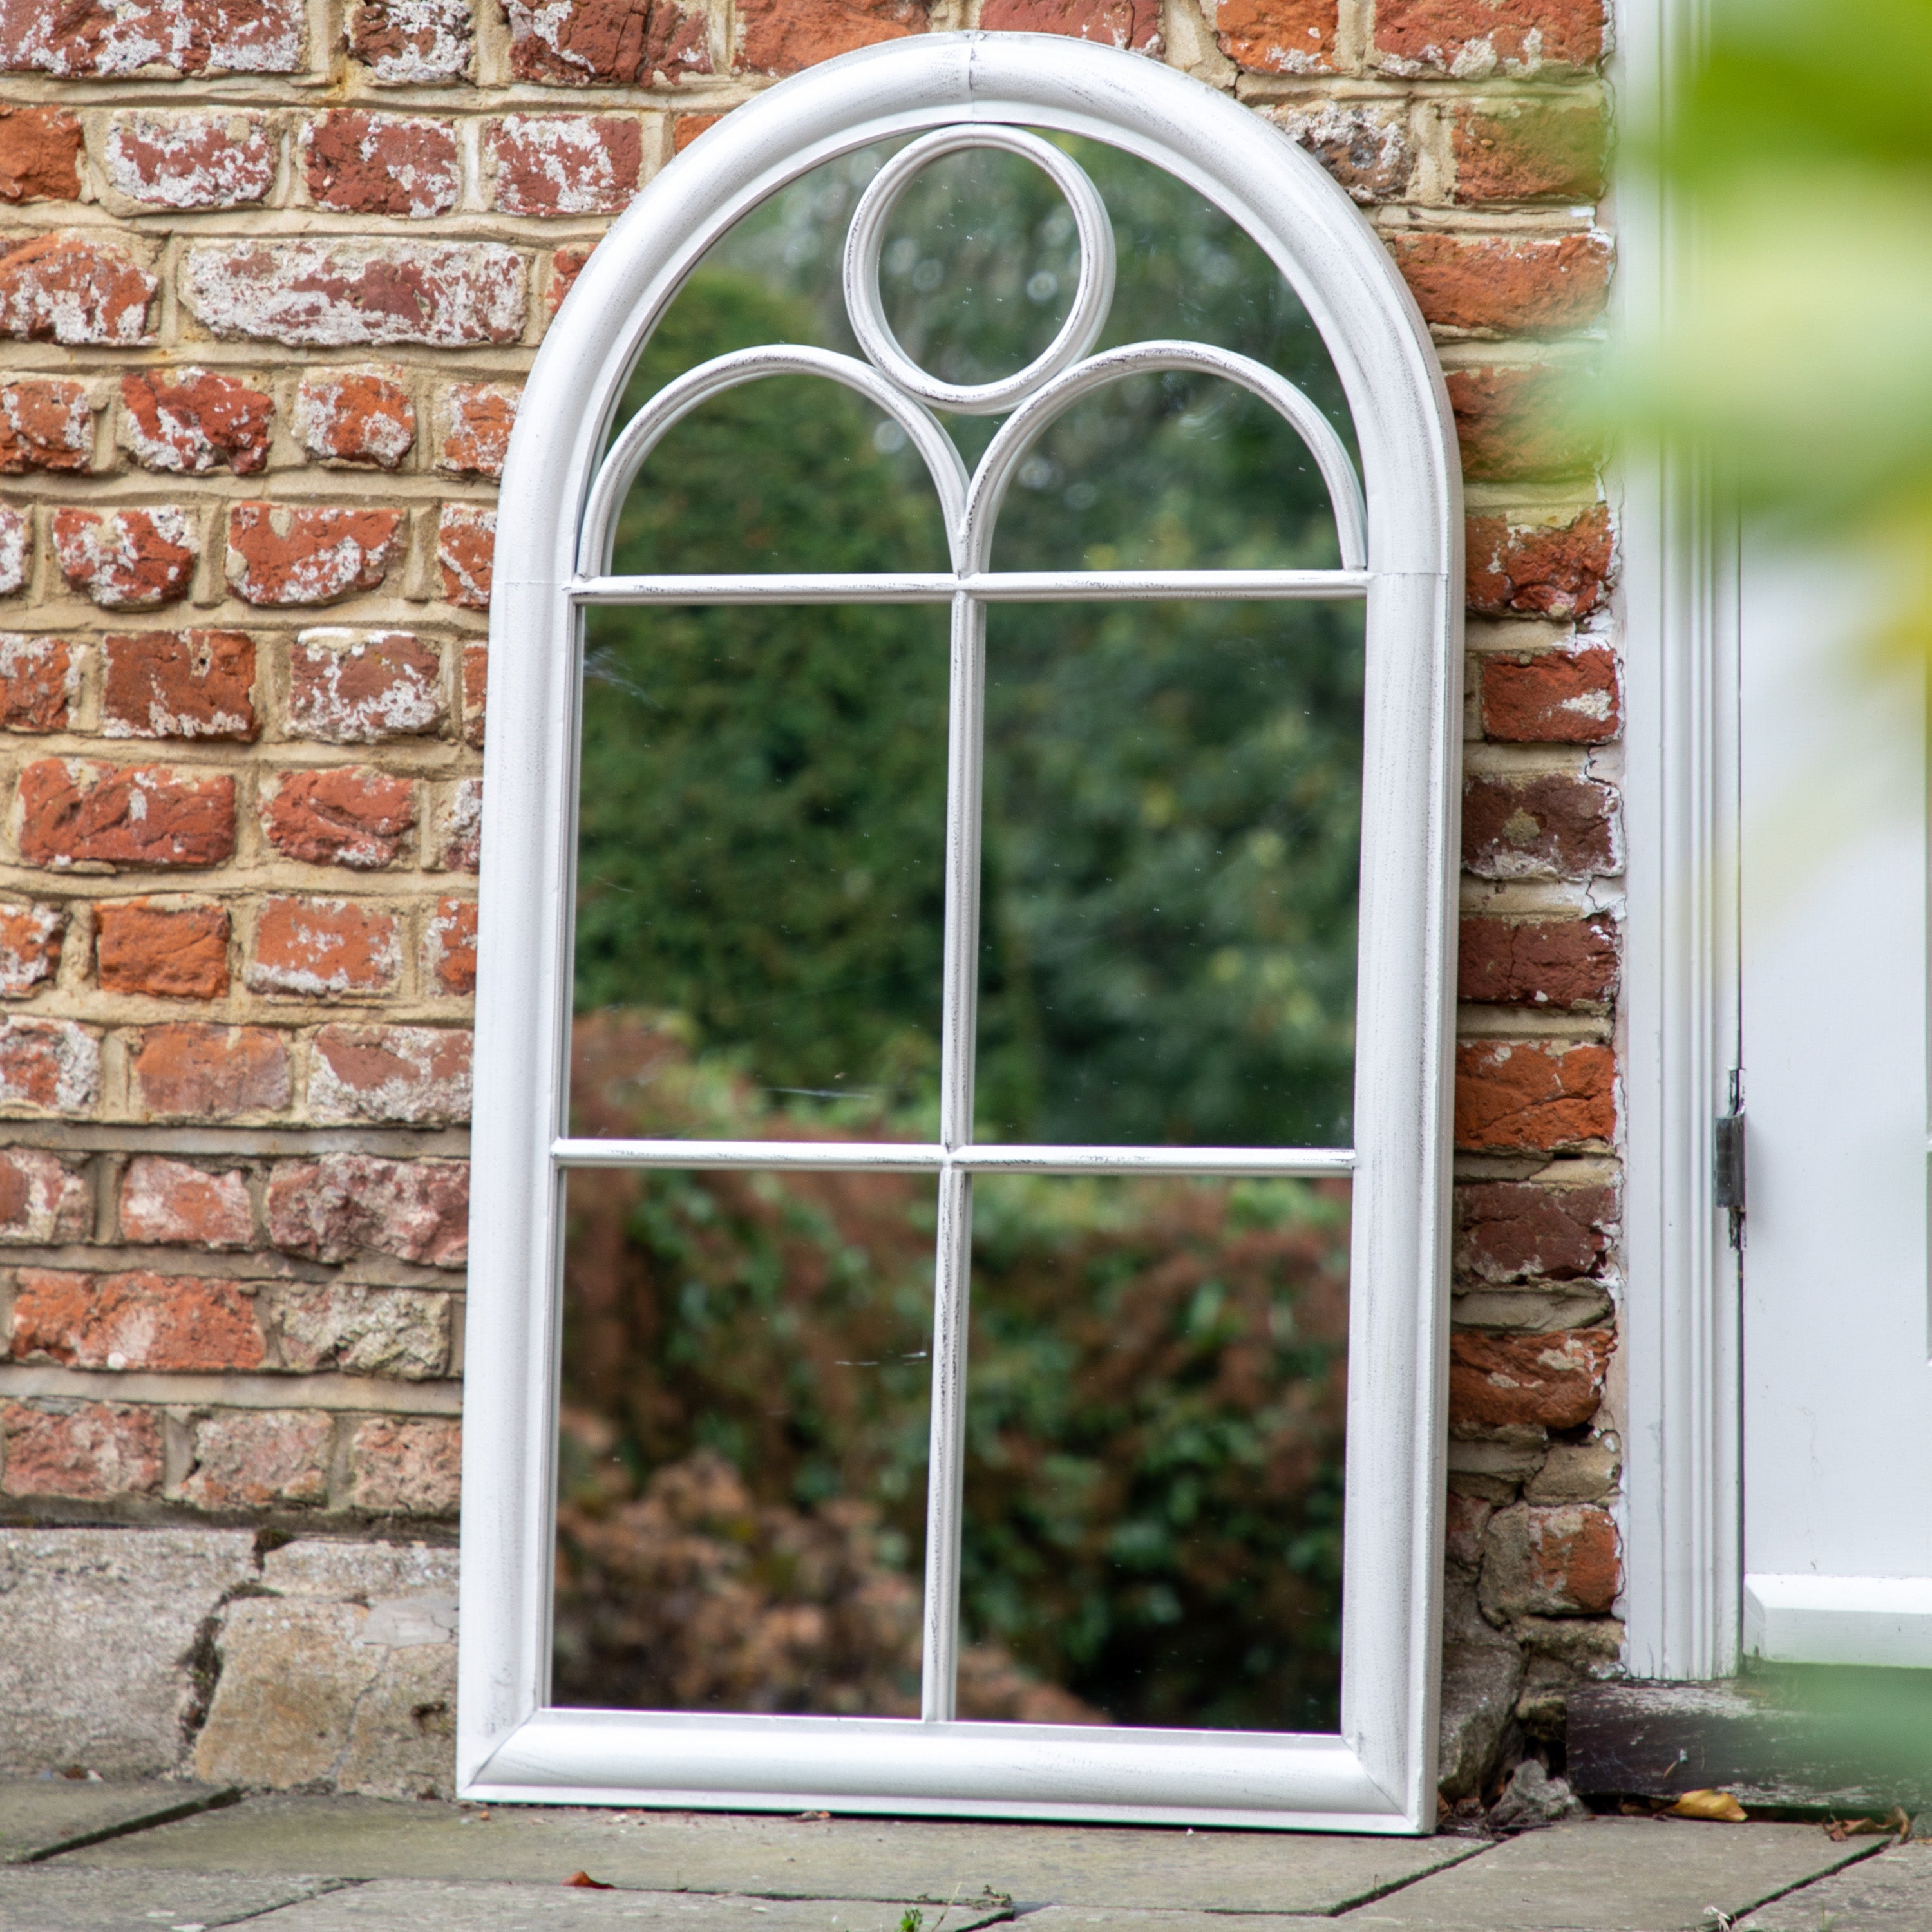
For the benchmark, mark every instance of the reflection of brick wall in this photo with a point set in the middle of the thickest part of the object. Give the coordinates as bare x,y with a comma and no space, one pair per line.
270,276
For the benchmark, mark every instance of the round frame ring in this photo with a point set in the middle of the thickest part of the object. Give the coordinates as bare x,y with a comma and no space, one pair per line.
1093,294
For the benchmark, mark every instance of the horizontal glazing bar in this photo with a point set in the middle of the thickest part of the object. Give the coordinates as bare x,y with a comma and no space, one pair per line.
918,1157
991,586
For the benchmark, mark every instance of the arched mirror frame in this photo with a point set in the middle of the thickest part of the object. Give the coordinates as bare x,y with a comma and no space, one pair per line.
1379,1773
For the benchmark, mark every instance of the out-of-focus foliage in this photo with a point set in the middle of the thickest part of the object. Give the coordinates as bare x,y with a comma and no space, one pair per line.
1153,1422
1172,791
1801,148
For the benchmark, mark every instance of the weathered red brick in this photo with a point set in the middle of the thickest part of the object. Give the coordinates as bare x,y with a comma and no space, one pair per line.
190,421
214,158
407,1469
1277,36
30,948
1549,1382
198,1072
1529,150
1472,38
564,163
685,128
395,164
162,951
1568,696
1523,1096
1364,145
607,43
1518,284
1551,1561
16,540
412,1075
96,38
38,677
1549,826
360,688
42,1200
1465,1519
87,1451
411,43
45,423
565,265
1514,1231
333,294
475,691
252,1459
312,948
403,1333
474,421
466,544
138,1320
278,555
459,843
1132,24
1537,962
40,154
356,415
52,1065
344,1204
349,815
1559,569
1518,421
175,1203
178,684
449,947
783,36
127,560
75,812
74,288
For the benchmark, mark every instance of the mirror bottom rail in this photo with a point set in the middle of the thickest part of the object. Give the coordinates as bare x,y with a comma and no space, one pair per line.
1280,1780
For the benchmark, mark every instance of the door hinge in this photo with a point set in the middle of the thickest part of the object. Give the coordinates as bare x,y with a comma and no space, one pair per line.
1727,1161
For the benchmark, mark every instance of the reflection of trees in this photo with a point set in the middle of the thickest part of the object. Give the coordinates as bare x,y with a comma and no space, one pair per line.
1172,792
1154,1423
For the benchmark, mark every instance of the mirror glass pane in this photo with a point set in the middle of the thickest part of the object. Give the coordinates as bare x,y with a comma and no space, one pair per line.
741,1506
1154,1416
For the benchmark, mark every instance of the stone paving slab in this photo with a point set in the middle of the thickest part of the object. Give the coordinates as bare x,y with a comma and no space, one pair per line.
41,1816
1890,1893
1276,1872
1611,1875
406,1905
63,1897
1121,1918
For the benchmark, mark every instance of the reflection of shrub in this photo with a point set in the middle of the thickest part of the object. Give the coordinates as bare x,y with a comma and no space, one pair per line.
1153,1420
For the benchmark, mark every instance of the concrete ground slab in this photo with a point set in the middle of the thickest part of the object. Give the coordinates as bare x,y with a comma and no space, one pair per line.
789,1858
1890,1893
70,1898
1611,1875
406,1905
41,1816
1121,1918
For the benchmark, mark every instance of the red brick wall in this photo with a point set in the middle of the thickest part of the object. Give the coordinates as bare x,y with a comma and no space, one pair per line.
270,275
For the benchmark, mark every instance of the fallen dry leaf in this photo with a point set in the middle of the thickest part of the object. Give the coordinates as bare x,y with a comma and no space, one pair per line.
589,1883
1839,1829
1717,1805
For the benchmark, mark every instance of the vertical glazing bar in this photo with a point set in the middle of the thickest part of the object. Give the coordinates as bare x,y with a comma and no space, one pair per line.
952,1269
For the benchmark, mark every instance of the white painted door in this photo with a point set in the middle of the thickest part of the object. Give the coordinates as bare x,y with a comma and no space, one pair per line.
1837,1312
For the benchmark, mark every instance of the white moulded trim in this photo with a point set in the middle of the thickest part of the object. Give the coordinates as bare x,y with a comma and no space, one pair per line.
1378,1774
1881,1620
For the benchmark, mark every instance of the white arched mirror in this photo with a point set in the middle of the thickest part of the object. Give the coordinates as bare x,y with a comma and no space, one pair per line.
955,1317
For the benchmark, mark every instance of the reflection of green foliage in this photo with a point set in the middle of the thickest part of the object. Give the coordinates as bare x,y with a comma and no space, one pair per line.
1172,790
1153,1409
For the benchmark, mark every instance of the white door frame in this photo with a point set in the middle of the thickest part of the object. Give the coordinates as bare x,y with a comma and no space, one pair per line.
1683,1466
